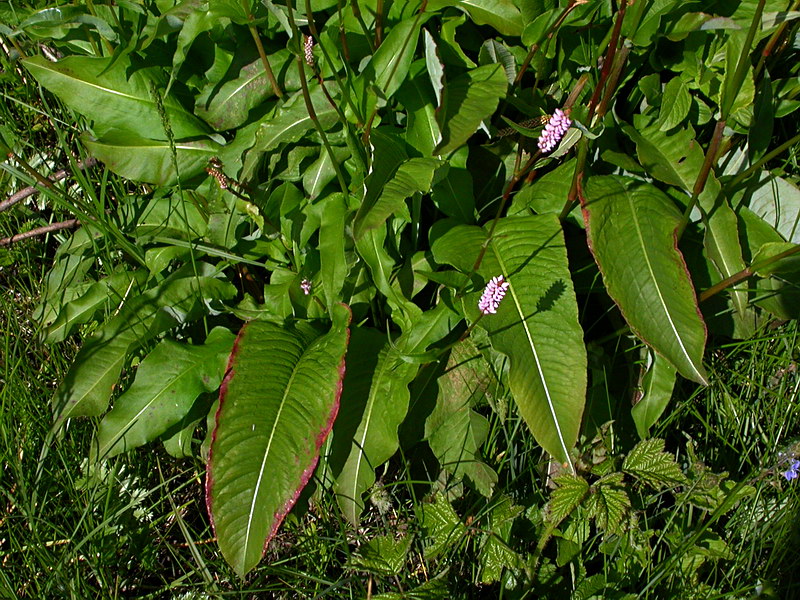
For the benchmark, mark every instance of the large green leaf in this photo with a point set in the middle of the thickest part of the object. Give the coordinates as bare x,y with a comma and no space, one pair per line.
631,227
167,383
151,161
106,92
277,405
777,201
657,385
536,325
369,431
87,387
468,100
226,105
416,175
503,15
416,95
333,261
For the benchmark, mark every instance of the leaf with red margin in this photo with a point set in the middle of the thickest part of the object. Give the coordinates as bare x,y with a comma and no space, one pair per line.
278,403
631,227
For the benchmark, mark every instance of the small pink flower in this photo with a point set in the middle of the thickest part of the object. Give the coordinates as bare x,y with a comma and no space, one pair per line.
305,285
554,130
308,47
493,294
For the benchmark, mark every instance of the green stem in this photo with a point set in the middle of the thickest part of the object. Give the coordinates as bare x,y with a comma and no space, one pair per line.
745,273
357,14
735,83
267,68
702,176
577,179
763,160
609,60
611,87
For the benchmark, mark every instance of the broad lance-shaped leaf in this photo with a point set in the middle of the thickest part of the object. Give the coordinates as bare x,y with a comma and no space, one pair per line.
167,382
631,227
107,93
416,175
536,325
151,161
277,405
368,433
468,100
87,387
657,385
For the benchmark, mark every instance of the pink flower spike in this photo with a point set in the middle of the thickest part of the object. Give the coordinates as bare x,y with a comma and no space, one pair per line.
555,129
493,294
305,285
308,48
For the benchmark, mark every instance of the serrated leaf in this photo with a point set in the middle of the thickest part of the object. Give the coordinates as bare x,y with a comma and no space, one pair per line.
383,555
570,492
441,526
277,405
650,464
167,383
496,554
608,506
631,227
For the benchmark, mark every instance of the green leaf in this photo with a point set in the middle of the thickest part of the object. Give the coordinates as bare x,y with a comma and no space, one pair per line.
536,325
786,265
415,175
453,195
675,106
322,171
435,68
170,216
416,96
277,406
657,385
333,262
87,386
547,194
631,227
102,91
389,65
777,201
440,525
608,506
227,104
468,100
496,553
503,15
148,160
566,497
650,464
673,158
383,555
374,438
493,51
109,291
454,431
167,383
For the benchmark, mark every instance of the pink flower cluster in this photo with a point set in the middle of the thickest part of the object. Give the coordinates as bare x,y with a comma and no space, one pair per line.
308,48
554,130
493,294
305,285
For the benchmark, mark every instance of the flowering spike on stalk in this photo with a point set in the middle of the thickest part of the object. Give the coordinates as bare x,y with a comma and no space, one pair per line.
305,285
554,130
493,294
308,48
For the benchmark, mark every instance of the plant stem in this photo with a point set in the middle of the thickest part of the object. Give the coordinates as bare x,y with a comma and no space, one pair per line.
611,87
577,178
18,237
745,273
735,83
267,69
357,14
763,160
702,176
609,60
379,23
773,40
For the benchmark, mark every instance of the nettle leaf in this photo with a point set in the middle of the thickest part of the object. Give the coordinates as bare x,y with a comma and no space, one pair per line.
650,464
608,505
104,92
496,554
151,161
536,326
167,383
88,385
569,494
657,385
277,405
369,431
383,555
440,525
468,100
631,227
